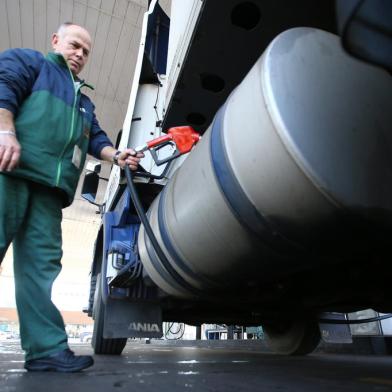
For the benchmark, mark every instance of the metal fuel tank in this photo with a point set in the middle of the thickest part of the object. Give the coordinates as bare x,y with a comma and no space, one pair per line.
295,169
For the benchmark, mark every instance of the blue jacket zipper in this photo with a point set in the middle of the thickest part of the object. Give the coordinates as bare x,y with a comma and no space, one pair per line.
76,92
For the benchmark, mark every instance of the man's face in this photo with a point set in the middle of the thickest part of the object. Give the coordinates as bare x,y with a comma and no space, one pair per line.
74,43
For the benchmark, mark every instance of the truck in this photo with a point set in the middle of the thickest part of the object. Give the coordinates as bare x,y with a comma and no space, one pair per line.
282,211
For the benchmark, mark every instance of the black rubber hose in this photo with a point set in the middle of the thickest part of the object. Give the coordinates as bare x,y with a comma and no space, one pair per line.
360,321
154,242
146,174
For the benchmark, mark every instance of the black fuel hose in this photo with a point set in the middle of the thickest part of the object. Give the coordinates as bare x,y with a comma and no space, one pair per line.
360,321
154,242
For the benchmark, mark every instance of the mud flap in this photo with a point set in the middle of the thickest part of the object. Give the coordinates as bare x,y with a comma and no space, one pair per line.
124,319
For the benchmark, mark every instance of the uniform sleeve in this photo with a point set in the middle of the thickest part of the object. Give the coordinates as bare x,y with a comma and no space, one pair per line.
19,69
98,139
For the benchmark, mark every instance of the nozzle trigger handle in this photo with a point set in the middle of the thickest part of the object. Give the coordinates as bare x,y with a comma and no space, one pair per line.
158,161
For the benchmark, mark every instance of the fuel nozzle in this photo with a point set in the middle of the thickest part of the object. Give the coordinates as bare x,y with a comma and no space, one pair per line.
182,138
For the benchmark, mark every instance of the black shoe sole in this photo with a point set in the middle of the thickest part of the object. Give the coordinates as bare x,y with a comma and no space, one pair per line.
50,367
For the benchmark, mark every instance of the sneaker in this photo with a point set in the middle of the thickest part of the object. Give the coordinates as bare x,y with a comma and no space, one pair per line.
64,361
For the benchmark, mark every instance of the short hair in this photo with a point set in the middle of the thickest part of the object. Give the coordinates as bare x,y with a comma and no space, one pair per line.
63,27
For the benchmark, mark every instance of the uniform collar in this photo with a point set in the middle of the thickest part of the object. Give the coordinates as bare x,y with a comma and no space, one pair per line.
59,59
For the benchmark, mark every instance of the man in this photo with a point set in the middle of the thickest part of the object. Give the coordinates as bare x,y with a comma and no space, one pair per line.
46,128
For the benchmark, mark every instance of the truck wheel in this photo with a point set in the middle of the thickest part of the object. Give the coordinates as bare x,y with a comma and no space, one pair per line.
98,342
293,338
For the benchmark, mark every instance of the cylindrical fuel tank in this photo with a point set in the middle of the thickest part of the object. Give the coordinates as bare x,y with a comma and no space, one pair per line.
294,172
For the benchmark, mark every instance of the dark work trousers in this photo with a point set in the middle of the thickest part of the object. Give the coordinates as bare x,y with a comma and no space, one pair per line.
30,218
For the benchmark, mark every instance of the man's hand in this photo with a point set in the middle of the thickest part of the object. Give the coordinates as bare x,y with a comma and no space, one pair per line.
126,157
9,152
129,157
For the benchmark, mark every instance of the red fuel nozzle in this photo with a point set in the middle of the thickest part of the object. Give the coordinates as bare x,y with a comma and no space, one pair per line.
184,138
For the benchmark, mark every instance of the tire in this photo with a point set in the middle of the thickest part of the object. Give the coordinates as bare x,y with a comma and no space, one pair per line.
98,342
293,338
